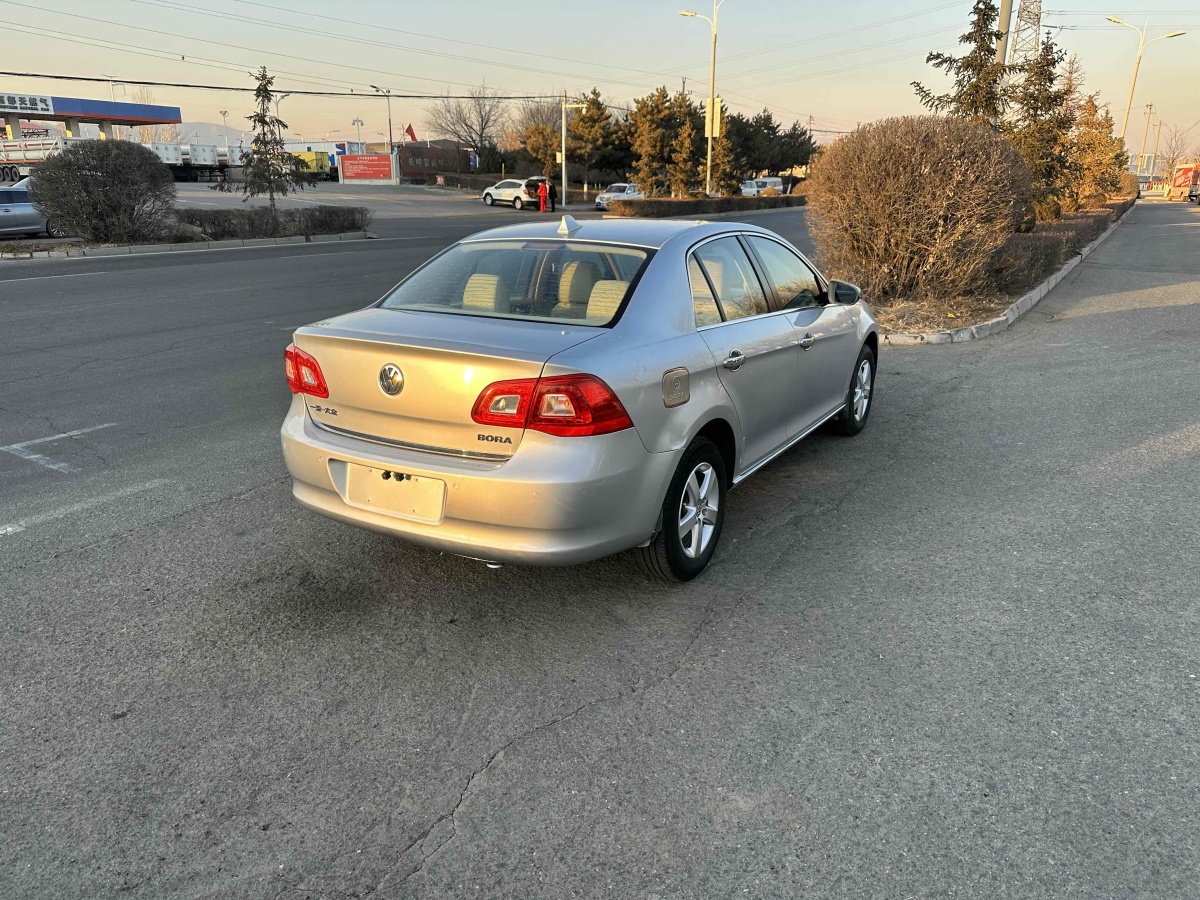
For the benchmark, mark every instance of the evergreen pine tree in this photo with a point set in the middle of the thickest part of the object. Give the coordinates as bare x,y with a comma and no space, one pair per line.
1041,128
981,89
267,168
682,171
1099,156
653,133
727,166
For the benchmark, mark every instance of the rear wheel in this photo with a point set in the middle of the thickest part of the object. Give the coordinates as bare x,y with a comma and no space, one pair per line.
488,199
55,231
693,513
518,203
853,417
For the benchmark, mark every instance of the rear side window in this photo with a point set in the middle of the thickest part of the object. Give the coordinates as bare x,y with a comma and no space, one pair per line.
535,280
733,277
704,304
6,197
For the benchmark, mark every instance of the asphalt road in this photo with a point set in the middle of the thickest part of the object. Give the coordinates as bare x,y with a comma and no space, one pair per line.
952,657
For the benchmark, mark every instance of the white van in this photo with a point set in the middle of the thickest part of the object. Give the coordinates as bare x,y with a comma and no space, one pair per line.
755,187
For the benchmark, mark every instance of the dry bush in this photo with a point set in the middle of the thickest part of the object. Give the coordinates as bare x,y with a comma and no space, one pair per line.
770,192
264,222
1129,185
914,207
113,192
1025,260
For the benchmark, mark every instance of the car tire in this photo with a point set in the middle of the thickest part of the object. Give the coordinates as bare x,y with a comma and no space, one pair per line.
679,553
488,199
55,231
859,396
518,203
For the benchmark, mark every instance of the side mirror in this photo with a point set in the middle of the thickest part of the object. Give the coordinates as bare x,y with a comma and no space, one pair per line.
845,293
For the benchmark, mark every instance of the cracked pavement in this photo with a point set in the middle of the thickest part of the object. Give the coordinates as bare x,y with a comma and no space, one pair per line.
952,657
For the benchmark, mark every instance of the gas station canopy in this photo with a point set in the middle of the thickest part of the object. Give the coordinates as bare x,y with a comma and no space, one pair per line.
74,111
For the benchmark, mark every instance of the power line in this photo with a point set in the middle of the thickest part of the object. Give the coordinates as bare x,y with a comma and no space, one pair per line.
224,87
170,4
230,46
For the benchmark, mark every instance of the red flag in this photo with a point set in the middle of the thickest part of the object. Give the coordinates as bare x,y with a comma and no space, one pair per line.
412,134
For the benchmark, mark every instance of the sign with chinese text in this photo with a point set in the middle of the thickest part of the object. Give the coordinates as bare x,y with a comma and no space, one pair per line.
28,104
372,166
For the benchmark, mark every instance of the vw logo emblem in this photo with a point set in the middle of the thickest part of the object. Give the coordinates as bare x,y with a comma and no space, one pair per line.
391,380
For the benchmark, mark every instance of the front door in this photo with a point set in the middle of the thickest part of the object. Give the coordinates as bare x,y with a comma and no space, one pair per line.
754,351
825,332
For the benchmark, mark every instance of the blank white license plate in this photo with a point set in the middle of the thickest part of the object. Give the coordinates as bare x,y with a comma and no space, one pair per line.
400,494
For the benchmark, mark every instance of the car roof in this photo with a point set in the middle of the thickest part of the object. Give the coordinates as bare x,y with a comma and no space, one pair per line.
650,233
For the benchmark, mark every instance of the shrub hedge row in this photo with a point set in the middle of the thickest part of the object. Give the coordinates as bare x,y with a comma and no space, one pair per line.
665,208
264,222
1025,260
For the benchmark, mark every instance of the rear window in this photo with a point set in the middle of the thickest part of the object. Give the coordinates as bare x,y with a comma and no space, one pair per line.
539,281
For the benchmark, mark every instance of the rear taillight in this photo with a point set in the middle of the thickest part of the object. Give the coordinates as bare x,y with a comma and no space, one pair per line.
562,405
303,372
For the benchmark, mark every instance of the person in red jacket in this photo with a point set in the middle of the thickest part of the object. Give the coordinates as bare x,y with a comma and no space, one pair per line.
543,193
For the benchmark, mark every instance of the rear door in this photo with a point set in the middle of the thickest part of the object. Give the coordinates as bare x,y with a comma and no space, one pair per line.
26,216
754,351
825,331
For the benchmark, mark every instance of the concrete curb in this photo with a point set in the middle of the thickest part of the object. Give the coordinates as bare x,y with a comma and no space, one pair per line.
192,247
1014,312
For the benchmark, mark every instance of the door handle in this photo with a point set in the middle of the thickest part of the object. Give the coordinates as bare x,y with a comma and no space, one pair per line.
735,360
807,341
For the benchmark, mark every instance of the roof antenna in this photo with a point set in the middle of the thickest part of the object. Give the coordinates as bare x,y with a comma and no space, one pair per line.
567,225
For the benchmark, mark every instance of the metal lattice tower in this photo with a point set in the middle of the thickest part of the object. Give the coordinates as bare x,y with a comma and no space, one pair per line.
1026,34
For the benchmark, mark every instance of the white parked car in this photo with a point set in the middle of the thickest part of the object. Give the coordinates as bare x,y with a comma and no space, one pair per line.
513,191
619,191
755,186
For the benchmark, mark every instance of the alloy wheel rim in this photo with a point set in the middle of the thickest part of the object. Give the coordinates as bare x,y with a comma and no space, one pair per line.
862,390
698,510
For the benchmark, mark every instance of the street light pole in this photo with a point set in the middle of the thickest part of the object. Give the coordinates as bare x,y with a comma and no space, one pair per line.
1142,45
279,98
565,107
358,123
388,96
225,129
712,119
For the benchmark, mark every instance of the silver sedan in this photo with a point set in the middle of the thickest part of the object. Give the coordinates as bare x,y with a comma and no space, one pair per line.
552,393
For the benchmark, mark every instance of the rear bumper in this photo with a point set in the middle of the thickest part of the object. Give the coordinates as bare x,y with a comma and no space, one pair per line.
557,501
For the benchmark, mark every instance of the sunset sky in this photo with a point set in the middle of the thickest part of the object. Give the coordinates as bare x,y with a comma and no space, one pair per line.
841,63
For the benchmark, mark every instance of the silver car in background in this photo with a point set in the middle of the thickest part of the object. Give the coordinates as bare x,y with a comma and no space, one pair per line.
553,393
618,191
18,215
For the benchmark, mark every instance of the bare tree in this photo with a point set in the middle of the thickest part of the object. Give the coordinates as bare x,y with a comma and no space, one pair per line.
152,134
476,121
544,113
1173,149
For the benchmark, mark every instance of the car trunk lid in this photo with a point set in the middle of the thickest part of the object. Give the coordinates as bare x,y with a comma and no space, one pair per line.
444,362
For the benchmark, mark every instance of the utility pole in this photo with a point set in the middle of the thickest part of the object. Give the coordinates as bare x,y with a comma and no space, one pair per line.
565,107
1145,134
1003,25
1157,138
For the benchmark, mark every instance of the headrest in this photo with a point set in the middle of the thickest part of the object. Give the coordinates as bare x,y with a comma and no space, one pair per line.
606,299
486,293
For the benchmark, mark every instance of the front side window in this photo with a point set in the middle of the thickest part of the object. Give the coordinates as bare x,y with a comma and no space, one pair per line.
796,285
535,280
733,278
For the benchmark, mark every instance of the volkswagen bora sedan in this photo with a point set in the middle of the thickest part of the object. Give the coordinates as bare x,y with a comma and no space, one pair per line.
553,393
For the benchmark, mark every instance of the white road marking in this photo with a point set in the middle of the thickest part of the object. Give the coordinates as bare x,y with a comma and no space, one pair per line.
64,511
22,449
40,277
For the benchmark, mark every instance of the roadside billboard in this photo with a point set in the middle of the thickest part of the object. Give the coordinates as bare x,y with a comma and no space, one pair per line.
371,167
